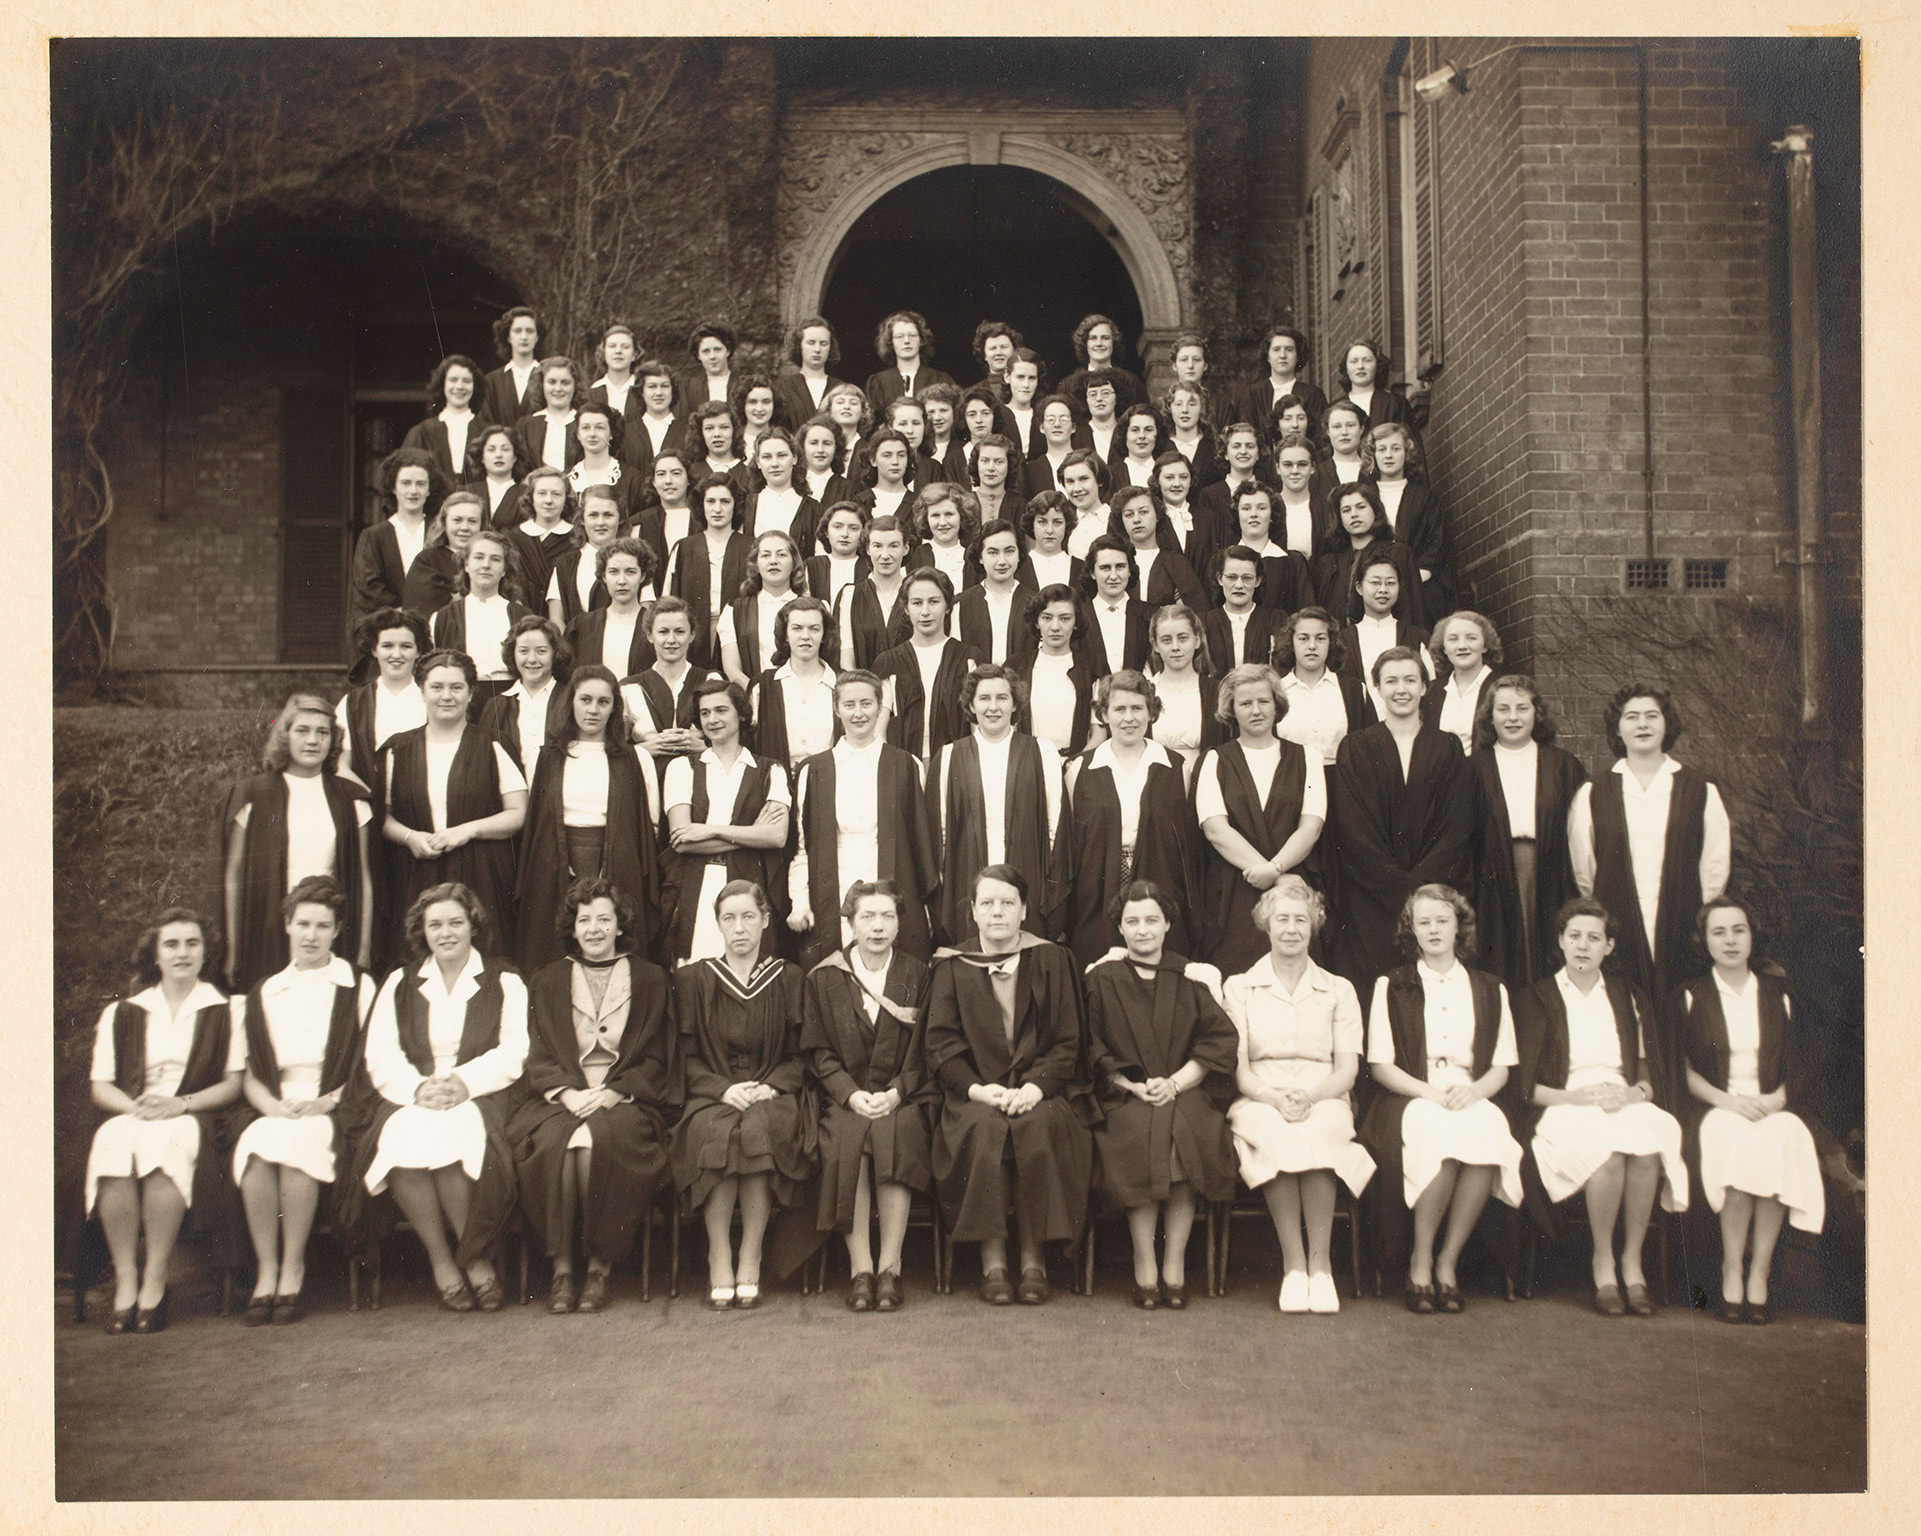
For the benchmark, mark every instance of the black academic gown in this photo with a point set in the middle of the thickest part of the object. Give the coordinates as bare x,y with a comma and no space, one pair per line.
957,831
500,402
587,634
911,705
848,1053
794,400
1137,643
1139,1029
259,938
1257,639
975,627
485,865
967,1044
906,850
1233,940
693,581
1167,851
887,386
1394,834
342,1065
628,1160
1504,929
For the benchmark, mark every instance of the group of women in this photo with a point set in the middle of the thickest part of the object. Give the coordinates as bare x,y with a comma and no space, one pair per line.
1008,799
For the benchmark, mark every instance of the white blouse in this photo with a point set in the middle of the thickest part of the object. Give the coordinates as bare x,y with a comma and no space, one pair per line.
1316,717
1646,813
809,708
1128,784
1052,699
856,818
395,710
311,846
1051,570
395,1077
488,621
951,561
723,784
585,783
776,510
1449,1017
1593,1041
1262,764
1181,718
994,760
617,640
299,1008
1742,1011
440,762
1519,768
1458,705
169,1037
1318,1020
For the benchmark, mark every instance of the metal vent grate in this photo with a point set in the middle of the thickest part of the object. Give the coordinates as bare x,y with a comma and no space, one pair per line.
1647,575
1704,575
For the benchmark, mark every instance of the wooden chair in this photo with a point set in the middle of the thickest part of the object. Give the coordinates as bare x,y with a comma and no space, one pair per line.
1574,1216
1207,1225
1249,1203
944,1254
370,1259
922,1215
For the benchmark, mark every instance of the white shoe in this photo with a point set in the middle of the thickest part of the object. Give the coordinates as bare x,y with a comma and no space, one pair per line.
1322,1293
1294,1291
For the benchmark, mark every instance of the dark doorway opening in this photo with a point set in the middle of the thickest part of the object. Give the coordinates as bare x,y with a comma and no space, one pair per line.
980,242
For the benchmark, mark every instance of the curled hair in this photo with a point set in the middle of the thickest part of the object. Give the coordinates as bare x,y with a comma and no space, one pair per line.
884,336
1491,653
1290,401
1466,939
987,672
877,440
716,410
657,368
588,493
313,891
562,728
1740,904
1382,362
1125,496
437,530
1352,409
776,433
861,890
527,624
1127,680
1299,338
722,483
1045,501
409,458
1141,890
719,330
641,551
1143,410
547,472
615,328
1337,534
1291,887
1065,402
964,500
1007,874
736,695
666,607
1584,906
275,755
1397,653
735,888
1171,459
553,365
1059,592
505,324
993,528
415,925
813,322
907,403
940,394
744,386
861,516
1484,709
437,385
1249,672
511,581
1249,488
987,330
1082,331
866,422
592,407
584,893
1669,715
146,949
1412,468
433,661
1284,642
754,582
1101,545
368,631
829,631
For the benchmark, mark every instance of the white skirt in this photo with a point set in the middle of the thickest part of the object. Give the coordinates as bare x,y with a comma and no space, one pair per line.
417,1137
1572,1141
126,1148
1430,1135
1774,1157
306,1144
1268,1144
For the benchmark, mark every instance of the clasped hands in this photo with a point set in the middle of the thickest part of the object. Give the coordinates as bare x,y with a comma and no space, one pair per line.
1606,1096
158,1106
1293,1103
1009,1101
1156,1090
431,845
582,1102
743,1095
874,1106
443,1092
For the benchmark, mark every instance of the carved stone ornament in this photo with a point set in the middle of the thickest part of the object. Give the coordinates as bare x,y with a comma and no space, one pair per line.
816,169
1153,170
1346,217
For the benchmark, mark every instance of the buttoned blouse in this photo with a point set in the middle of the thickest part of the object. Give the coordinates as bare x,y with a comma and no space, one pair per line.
488,621
1052,699
1318,1020
396,1078
1182,719
530,710
1458,705
1316,718
723,784
1128,784
1646,813
810,710
1449,1012
299,1006
776,510
311,841
169,1038
1593,1041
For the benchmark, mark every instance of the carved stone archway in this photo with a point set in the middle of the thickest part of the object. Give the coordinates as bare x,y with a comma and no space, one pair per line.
1128,171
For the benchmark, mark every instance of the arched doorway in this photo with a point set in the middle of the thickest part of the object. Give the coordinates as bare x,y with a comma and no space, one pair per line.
965,243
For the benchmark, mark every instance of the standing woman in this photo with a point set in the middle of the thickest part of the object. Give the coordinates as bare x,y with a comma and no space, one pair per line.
1004,1041
1440,1043
445,1047
861,1032
1345,424
1299,1053
992,614
595,424
747,627
513,390
1524,786
1097,341
662,430
948,520
1239,630
714,432
710,566
604,1074
813,347
616,636
1392,456
925,676
370,714
548,436
726,818
575,586
793,697
296,820
617,387
905,340
1241,453
1128,821
747,1133
777,507
1324,704
819,451
1161,572
542,537
889,459
453,800
433,580
1045,561
852,416
1590,1096
660,699
1381,627
1139,440
590,815
1300,521
756,409
669,516
1362,377
1283,349
164,1060
1161,1053
1060,682
1360,528
1261,802
303,1027
1187,688
1756,1154
1286,582
860,819
1465,647
1651,842
1189,434
711,344
518,718
842,560
871,614
386,551
480,618
497,477
1118,634
1404,812
447,433
1191,536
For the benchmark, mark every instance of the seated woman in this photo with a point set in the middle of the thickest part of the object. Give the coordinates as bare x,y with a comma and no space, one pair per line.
298,818
1004,1041
518,718
1299,1052
1581,1038
1440,1041
481,616
660,698
590,814
164,1060
726,818
743,1137
793,699
1261,802
575,586
1756,1155
1160,1051
445,1047
604,1081
1128,821
774,577
303,1027
1060,683
861,1032
452,799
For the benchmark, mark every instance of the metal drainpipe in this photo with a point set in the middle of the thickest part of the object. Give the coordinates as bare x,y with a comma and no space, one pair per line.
1647,321
1810,555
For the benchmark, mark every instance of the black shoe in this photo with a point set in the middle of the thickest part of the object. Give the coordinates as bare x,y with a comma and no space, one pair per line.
122,1322
259,1312
860,1292
1032,1291
156,1320
1418,1298
560,1297
1733,1311
887,1292
1607,1300
1448,1298
1174,1297
1758,1314
593,1293
1147,1297
995,1290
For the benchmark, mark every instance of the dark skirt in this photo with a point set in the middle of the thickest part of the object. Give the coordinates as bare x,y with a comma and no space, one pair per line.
628,1163
1136,1143
719,1142
1052,1157
586,847
485,867
900,1145
1525,851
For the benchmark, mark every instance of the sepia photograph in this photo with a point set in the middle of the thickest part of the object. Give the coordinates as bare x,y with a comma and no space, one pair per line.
957,767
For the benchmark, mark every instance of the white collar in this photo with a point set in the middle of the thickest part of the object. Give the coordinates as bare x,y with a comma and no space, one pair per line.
337,971
533,530
410,686
1742,995
1381,621
1261,974
519,689
786,670
985,745
746,758
860,960
1454,678
1455,972
1573,995
1291,682
1669,767
1151,752
872,749
1117,606
465,984
204,995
